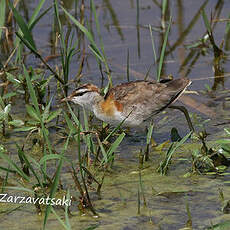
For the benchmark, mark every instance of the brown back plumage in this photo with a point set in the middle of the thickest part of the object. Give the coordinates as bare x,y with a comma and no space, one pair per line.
148,96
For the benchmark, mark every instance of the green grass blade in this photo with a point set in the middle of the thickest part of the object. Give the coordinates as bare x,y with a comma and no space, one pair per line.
173,147
65,226
116,128
149,134
2,104
97,26
70,54
206,22
35,103
86,32
26,43
2,15
163,50
164,6
105,158
54,186
153,45
7,169
31,111
66,212
138,13
63,45
53,115
92,227
77,122
13,165
38,166
35,13
22,154
127,68
46,111
32,23
5,181
227,29
32,93
115,144
88,137
96,53
101,41
23,26
70,124
53,191
25,129
50,157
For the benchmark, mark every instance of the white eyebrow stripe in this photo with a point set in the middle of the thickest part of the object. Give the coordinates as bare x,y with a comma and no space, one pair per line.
82,90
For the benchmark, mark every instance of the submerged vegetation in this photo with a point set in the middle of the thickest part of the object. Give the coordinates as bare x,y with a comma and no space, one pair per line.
52,149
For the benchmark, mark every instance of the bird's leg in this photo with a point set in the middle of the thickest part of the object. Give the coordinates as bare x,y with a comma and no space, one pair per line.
185,111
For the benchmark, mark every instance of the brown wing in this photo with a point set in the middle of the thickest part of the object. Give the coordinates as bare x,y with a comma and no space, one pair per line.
148,97
126,91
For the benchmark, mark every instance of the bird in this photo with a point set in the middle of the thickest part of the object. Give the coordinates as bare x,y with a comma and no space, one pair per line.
132,102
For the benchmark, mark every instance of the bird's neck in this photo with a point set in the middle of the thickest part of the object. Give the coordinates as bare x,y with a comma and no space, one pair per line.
93,102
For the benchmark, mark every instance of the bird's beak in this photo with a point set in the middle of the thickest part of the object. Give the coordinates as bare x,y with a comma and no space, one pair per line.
66,99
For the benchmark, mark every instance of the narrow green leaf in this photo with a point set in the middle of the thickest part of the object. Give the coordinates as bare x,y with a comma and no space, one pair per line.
85,31
53,115
33,20
149,134
9,95
32,23
163,50
13,165
60,220
35,103
50,157
23,156
96,53
32,112
227,29
70,124
67,212
7,169
105,157
68,60
173,147
54,186
32,93
227,131
92,227
53,190
98,31
62,39
25,129
16,123
206,22
2,104
164,6
2,15
46,111
23,26
116,128
77,122
115,144
153,44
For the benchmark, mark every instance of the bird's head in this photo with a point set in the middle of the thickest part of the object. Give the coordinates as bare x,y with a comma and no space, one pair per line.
87,96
